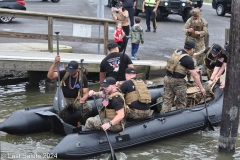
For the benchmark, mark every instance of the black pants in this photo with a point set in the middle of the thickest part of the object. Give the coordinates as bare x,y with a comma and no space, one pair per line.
150,15
126,30
131,11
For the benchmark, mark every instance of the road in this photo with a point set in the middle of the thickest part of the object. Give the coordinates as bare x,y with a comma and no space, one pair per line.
157,46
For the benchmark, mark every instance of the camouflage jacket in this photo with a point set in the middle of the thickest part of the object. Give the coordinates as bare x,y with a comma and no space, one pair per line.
190,21
137,34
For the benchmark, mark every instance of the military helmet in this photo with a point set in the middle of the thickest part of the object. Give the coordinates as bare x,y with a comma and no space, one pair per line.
195,12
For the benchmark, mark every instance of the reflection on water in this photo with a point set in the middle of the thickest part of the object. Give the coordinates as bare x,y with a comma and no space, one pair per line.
198,145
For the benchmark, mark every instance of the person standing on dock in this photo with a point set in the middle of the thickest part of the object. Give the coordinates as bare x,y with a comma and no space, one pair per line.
113,63
175,86
71,86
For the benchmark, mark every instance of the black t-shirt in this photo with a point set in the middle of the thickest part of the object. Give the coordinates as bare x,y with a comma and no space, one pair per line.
116,103
128,87
221,58
111,63
72,85
186,62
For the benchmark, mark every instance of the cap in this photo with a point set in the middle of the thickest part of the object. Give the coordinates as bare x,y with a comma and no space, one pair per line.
189,44
226,49
112,45
216,49
195,12
130,71
72,66
119,5
108,81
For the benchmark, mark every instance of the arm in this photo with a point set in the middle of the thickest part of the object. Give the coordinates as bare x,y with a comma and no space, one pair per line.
130,66
156,7
102,76
51,74
205,29
114,16
85,95
143,4
186,28
115,120
134,4
97,94
114,35
195,76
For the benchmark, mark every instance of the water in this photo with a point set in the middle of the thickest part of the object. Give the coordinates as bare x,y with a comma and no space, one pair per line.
197,145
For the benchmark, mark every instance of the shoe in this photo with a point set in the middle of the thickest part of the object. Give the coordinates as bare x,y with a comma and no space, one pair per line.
147,30
134,58
154,30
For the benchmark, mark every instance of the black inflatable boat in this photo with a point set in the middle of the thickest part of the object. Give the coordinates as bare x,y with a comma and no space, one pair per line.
90,143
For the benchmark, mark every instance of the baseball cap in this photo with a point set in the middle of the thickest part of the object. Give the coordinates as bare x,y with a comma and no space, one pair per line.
189,44
226,49
112,45
216,48
130,71
72,66
108,81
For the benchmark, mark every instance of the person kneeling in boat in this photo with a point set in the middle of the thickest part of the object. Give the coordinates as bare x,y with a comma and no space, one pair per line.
112,110
71,87
174,83
137,96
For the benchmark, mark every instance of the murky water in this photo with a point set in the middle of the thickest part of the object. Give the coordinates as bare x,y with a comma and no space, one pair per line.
198,145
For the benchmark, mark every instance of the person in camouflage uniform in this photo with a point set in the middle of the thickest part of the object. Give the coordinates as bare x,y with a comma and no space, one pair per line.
137,96
71,86
195,29
112,110
174,83
136,37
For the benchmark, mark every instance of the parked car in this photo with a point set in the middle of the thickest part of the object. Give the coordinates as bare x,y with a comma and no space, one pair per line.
54,1
11,4
222,6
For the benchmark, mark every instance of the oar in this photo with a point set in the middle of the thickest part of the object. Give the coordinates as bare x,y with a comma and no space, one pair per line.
121,61
208,122
59,102
113,156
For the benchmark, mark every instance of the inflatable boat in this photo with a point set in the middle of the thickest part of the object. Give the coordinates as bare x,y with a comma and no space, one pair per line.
44,118
159,126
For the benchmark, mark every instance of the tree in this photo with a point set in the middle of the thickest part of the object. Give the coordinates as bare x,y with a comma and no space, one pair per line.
231,101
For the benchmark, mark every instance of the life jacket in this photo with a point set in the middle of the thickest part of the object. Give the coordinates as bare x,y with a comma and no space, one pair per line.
196,27
214,60
141,93
66,75
150,3
111,113
173,63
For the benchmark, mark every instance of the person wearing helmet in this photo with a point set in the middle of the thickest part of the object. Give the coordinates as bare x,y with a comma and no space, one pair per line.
195,29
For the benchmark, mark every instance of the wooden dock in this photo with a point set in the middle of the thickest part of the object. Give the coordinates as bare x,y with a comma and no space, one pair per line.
41,61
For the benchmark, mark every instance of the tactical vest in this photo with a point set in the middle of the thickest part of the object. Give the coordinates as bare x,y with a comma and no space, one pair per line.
141,93
111,113
150,3
214,60
173,63
196,27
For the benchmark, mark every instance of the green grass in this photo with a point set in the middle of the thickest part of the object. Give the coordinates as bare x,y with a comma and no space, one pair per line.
207,1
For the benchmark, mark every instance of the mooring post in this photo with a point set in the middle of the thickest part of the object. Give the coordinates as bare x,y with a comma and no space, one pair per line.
231,101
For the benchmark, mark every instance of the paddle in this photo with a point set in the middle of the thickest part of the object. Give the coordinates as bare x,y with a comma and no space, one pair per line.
113,156
59,102
208,122
121,61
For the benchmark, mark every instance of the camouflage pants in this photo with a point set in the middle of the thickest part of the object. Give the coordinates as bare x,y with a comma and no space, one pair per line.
199,46
174,92
138,114
85,108
95,123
